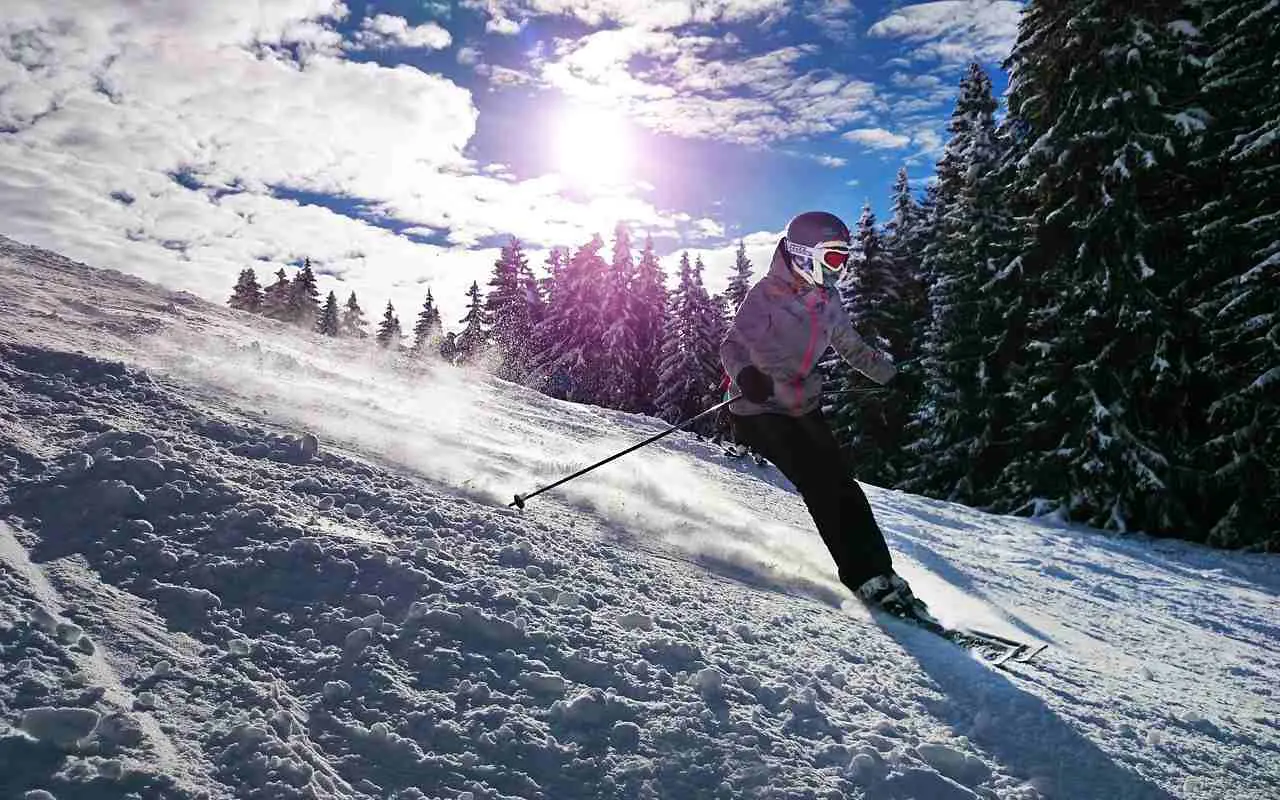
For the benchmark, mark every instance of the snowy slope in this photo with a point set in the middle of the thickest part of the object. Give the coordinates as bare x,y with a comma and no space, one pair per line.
238,562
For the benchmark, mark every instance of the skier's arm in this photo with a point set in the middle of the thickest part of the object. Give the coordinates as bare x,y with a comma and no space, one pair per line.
749,337
858,354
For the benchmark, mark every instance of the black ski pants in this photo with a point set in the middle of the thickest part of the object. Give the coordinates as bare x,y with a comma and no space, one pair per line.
805,450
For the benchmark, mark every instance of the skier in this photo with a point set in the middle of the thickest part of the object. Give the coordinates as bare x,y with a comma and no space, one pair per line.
784,325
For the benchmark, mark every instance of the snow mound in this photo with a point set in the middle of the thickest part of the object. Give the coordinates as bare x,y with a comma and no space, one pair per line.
62,727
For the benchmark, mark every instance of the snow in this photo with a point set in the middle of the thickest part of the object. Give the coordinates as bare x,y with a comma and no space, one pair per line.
189,609
1267,378
61,727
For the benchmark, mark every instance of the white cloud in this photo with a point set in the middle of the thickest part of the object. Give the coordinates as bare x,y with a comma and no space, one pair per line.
921,80
504,76
103,97
877,138
709,228
720,261
502,26
955,31
385,30
928,138
468,56
647,14
698,87
834,18
834,162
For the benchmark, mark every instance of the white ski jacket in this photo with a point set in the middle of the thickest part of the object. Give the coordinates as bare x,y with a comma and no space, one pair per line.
783,327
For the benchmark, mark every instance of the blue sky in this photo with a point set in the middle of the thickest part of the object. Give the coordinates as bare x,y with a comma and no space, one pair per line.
397,143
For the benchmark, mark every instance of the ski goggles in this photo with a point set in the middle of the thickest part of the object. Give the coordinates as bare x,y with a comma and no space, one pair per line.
833,255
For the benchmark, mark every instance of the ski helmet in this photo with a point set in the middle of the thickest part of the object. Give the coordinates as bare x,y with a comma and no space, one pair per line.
817,247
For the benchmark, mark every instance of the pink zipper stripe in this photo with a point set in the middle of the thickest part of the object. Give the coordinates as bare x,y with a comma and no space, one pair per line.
806,363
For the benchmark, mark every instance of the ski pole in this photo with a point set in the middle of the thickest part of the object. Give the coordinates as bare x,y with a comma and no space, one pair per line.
522,498
863,390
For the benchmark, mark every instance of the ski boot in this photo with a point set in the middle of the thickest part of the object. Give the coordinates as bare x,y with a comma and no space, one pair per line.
893,595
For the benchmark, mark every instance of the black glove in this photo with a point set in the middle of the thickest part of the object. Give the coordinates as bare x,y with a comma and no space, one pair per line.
755,385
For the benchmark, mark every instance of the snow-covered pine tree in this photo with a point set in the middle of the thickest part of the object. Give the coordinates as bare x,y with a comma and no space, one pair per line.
556,260
353,323
428,328
711,325
537,306
687,374
870,426
619,319
509,311
247,295
961,446
650,294
329,323
1098,86
389,333
474,339
275,298
740,281
552,327
903,242
573,331
721,317
1237,244
304,297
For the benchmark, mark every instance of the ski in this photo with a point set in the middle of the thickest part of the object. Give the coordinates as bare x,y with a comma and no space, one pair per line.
996,650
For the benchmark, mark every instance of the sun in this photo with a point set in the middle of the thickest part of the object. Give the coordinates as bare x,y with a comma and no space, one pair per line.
594,150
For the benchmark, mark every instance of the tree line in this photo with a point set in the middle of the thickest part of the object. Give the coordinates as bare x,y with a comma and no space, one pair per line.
592,330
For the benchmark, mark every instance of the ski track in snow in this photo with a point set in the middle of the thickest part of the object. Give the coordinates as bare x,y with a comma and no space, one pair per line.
196,602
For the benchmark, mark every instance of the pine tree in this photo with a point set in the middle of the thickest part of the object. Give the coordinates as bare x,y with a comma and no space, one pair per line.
740,282
689,369
473,339
650,294
428,329
711,324
619,311
556,260
353,322
552,326
1237,291
870,426
962,445
247,295
389,333
721,316
275,298
329,324
536,304
513,308
903,242
572,334
1098,87
304,297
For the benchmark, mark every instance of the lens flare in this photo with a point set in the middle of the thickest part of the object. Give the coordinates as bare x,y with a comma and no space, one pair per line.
594,150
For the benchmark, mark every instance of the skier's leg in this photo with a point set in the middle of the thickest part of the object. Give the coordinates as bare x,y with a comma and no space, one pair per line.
775,436
860,552
804,450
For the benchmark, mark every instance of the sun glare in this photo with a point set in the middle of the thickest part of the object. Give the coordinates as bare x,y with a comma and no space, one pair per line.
594,150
